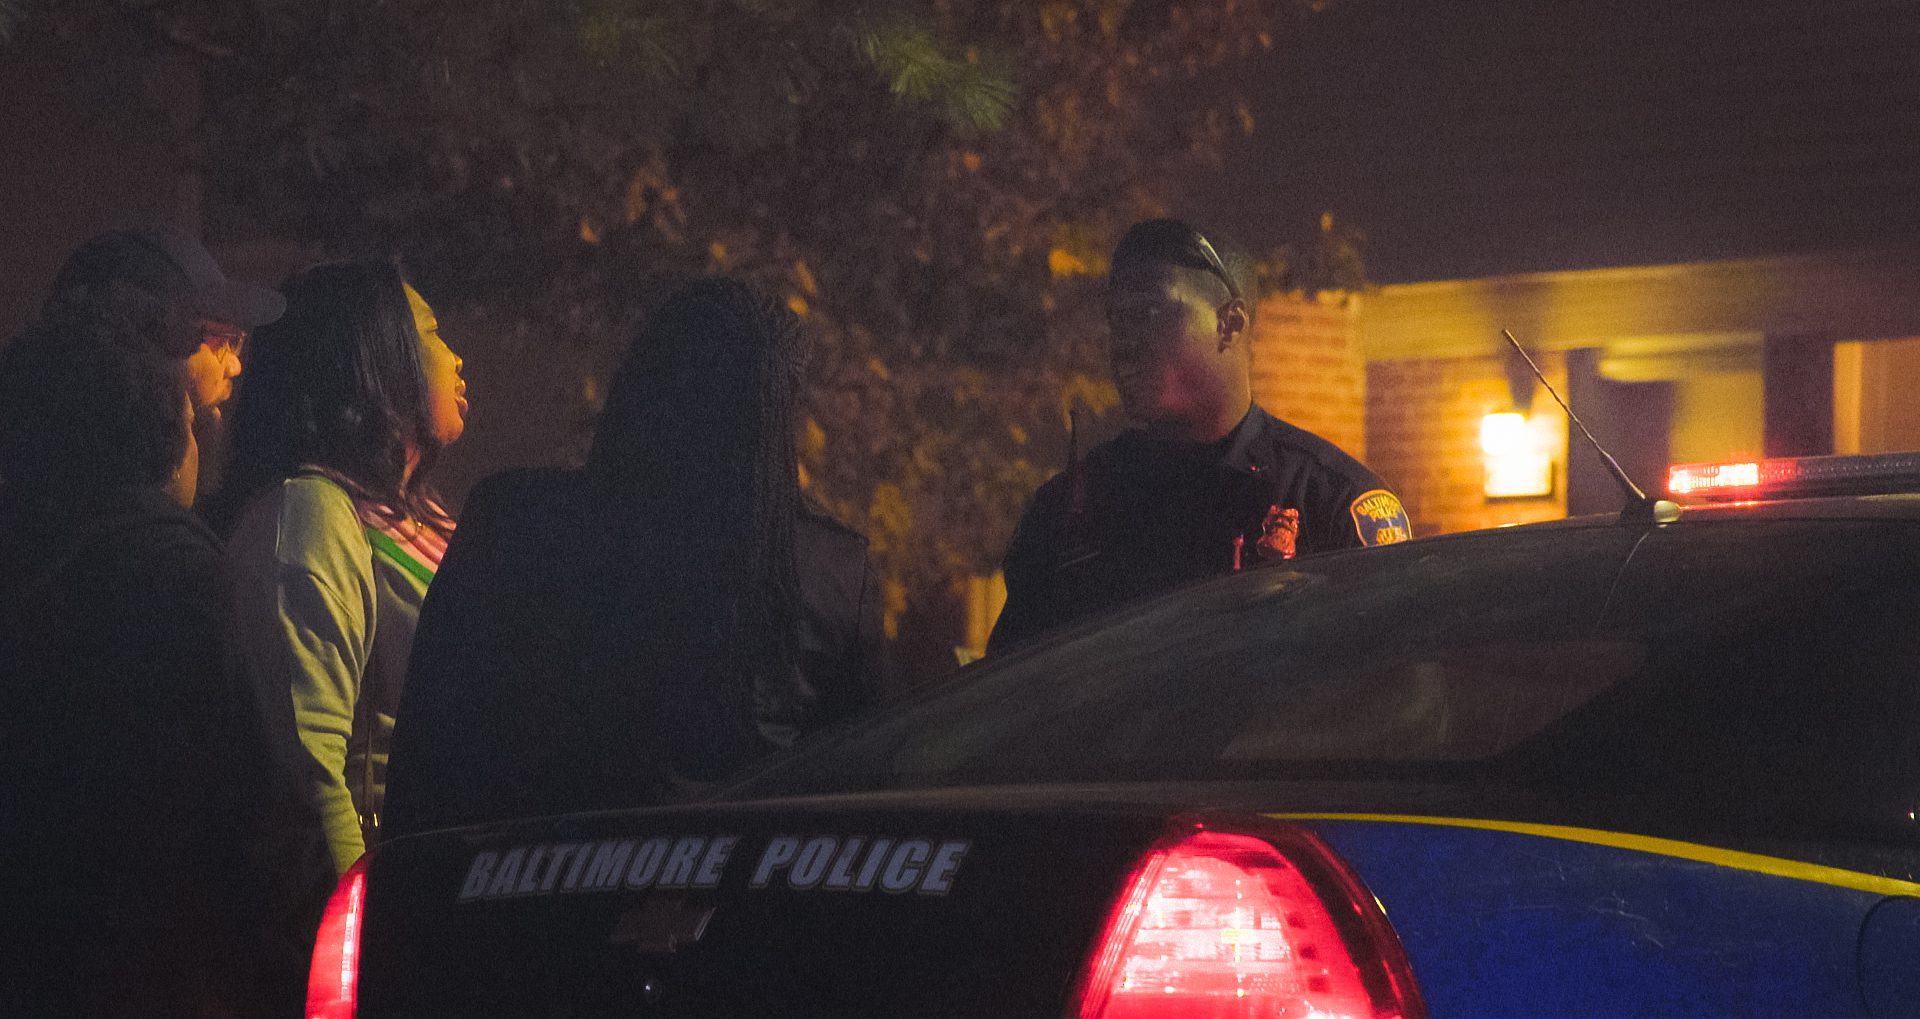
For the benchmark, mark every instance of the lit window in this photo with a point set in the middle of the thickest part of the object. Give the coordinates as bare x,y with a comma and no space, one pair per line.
1518,463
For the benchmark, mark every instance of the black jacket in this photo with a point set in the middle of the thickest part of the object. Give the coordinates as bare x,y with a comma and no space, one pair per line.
161,861
1139,515
538,685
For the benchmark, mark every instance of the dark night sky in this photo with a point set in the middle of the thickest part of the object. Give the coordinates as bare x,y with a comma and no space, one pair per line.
1476,137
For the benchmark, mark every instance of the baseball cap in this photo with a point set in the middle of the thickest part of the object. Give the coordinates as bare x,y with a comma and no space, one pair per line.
169,265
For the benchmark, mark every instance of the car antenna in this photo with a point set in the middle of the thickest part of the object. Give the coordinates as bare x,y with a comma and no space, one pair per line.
1640,508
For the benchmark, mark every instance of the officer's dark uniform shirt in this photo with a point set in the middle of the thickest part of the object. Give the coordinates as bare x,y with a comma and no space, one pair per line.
1141,515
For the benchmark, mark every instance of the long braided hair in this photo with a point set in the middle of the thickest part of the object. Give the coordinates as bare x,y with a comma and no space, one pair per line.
695,448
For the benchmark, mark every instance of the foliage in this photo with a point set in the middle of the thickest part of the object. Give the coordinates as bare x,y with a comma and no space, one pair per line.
933,184
1334,260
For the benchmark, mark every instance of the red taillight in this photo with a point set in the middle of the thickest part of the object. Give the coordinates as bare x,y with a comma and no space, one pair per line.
1219,924
333,985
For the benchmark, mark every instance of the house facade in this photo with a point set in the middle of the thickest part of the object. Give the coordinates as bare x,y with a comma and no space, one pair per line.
1703,361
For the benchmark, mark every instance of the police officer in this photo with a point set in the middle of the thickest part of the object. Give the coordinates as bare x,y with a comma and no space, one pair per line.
1208,482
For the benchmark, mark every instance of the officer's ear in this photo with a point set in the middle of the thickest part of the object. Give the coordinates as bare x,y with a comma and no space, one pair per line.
1235,324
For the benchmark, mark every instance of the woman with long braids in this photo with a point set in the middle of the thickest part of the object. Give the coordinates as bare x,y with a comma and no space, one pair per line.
620,634
335,533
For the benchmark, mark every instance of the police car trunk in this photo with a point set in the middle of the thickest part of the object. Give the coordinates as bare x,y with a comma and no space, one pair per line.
956,907
1665,764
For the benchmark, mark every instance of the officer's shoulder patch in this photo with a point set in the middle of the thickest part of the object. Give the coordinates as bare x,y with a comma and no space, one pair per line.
1379,518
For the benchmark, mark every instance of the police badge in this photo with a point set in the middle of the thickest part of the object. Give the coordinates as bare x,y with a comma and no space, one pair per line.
1279,533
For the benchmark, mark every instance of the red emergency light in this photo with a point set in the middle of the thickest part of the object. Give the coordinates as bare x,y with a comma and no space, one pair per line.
1872,474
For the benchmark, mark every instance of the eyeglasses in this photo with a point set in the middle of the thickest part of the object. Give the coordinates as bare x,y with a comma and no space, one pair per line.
1215,265
222,336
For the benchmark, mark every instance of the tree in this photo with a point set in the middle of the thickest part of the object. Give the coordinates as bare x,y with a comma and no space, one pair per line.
933,184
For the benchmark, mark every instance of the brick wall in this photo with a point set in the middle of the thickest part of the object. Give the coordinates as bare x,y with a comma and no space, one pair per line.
1308,369
1423,429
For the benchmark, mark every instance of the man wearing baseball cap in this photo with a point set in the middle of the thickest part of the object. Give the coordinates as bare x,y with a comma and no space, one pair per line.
172,866
159,289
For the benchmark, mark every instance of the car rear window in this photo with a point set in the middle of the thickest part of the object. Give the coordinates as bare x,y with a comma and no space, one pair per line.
1730,655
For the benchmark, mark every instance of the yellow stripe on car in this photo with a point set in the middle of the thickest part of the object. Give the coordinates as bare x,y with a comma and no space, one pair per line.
1798,870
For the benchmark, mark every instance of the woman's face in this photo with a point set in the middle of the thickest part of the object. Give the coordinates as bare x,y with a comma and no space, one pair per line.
446,390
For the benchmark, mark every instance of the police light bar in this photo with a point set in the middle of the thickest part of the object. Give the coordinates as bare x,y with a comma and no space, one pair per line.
1872,474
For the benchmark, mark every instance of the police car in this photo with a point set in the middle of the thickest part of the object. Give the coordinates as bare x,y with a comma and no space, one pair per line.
1666,764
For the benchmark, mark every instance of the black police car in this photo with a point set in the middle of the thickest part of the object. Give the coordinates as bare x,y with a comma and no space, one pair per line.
1660,765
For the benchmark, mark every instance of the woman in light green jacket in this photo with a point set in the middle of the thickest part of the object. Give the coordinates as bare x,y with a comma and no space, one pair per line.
333,530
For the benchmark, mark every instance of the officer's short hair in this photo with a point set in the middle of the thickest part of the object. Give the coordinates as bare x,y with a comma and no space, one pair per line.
1178,242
